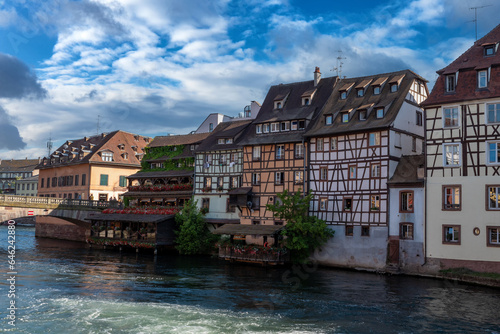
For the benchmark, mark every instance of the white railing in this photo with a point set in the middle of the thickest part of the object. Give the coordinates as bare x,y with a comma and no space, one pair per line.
56,201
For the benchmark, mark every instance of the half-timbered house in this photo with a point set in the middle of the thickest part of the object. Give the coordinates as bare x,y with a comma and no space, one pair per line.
356,142
275,151
463,160
219,170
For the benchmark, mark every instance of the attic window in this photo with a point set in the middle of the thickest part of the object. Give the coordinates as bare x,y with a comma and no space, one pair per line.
211,127
121,147
258,128
125,156
229,140
302,125
305,101
107,156
362,115
134,148
360,92
285,126
376,90
489,50
450,83
266,128
278,104
394,87
380,113
329,119
221,141
343,95
294,125
275,127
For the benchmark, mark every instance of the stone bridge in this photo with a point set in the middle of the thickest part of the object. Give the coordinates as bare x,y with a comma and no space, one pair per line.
55,217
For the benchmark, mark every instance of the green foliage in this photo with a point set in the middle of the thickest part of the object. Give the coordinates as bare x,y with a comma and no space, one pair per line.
303,233
193,236
126,201
170,153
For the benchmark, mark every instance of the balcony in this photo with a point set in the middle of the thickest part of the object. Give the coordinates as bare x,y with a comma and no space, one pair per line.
162,187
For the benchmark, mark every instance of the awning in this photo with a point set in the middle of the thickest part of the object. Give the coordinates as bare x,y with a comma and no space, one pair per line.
247,229
129,217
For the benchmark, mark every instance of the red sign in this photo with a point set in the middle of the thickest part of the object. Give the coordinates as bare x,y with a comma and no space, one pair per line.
31,213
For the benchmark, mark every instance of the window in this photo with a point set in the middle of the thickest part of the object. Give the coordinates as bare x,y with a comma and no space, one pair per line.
302,125
376,90
482,79
220,183
256,153
451,234
493,153
275,127
451,155
221,141
277,104
493,113
349,230
375,202
107,156
323,173
414,144
104,180
205,204
77,179
305,101
48,182
320,144
379,113
343,95
352,172
345,117
280,151
323,204
299,151
406,231
123,181
84,179
347,204
394,88
229,207
375,170
266,128
207,183
229,140
451,117
235,182
365,231
279,177
211,127
493,236
294,125
419,118
285,126
451,197
450,83
329,119
493,197
374,139
41,186
406,201
362,115
256,179
298,177
333,144
258,128
360,92
489,50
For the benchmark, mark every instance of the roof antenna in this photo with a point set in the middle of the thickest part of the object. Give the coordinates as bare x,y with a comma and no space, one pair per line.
49,144
475,15
339,65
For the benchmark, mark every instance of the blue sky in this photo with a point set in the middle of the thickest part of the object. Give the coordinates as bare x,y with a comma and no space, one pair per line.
157,66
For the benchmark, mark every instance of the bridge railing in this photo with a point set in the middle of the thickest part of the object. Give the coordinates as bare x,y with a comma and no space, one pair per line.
58,201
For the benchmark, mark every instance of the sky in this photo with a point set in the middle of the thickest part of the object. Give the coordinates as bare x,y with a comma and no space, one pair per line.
158,67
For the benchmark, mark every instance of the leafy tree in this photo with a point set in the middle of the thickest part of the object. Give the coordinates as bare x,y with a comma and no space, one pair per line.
303,233
193,236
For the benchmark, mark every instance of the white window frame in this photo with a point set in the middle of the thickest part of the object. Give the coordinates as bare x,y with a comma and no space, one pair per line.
482,79
285,126
256,153
299,151
298,177
258,128
454,162
489,145
280,151
329,119
320,145
294,125
454,110
323,204
374,139
333,143
279,178
496,113
496,191
221,141
107,156
275,127
451,83
265,128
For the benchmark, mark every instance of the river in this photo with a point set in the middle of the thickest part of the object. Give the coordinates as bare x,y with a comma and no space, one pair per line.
62,287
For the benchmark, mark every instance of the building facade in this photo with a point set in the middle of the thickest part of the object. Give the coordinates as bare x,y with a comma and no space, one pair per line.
463,160
356,143
13,170
27,186
92,167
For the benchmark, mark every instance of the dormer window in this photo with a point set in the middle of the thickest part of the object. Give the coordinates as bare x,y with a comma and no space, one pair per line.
362,115
394,87
285,126
450,83
329,119
134,148
258,128
360,92
125,156
345,117
294,125
107,156
210,127
121,147
229,140
275,127
266,128
489,50
395,82
305,101
343,95
302,125
379,113
221,141
376,90
278,104
482,79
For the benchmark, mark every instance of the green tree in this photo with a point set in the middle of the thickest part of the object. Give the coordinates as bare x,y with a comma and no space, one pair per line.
303,233
193,236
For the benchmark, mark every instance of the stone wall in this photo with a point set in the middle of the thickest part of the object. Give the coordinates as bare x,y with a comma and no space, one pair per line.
57,228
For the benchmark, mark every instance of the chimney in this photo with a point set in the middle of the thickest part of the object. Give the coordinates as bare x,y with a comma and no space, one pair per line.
317,76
